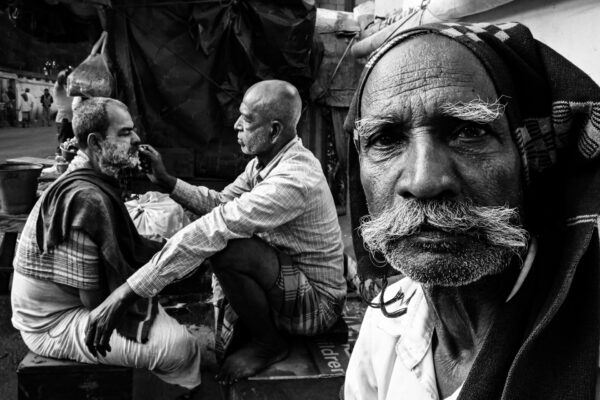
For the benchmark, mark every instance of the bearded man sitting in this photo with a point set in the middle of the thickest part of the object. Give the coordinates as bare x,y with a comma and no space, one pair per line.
79,244
475,168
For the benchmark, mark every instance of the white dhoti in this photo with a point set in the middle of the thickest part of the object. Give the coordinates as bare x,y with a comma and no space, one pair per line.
172,352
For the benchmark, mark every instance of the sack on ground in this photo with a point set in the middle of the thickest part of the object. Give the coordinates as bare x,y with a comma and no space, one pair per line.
156,216
92,78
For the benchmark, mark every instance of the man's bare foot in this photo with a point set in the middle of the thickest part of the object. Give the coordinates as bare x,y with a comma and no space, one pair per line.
251,359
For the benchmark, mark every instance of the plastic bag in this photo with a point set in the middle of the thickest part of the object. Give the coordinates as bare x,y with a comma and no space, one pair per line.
156,216
92,78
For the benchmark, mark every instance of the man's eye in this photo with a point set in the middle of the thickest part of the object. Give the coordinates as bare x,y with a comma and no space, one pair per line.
384,139
470,132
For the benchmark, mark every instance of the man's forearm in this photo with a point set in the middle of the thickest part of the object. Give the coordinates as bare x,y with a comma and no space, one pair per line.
198,199
182,254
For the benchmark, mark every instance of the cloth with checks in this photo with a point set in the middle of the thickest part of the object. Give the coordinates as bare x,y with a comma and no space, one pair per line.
90,202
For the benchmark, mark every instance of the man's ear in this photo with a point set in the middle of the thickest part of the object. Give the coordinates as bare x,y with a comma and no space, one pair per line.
93,141
276,129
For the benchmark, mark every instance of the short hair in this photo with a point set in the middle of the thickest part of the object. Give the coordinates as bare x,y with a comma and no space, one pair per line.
91,116
27,89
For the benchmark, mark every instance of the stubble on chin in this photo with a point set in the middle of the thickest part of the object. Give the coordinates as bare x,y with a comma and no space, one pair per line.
114,159
447,264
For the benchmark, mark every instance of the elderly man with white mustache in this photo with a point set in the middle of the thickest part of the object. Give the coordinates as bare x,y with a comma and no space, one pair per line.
475,174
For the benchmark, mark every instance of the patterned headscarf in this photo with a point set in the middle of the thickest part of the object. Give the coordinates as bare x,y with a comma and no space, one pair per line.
544,342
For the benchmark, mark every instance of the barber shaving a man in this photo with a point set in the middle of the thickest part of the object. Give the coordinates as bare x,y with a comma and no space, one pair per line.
477,160
272,238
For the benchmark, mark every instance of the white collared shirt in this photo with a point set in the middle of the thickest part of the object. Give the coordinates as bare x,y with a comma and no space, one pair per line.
393,357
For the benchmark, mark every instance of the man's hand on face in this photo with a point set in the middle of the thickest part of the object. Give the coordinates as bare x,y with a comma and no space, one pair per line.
158,173
104,318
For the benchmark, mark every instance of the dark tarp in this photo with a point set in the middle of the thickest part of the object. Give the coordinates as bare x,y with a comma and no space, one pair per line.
183,69
26,44
51,23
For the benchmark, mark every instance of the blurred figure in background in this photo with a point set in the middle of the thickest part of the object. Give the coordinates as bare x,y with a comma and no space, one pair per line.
66,131
63,104
4,102
11,105
25,108
46,100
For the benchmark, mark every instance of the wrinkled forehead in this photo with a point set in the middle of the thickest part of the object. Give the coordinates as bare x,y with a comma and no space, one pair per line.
431,67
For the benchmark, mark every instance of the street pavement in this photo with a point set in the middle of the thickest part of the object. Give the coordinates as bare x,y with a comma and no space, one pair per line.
31,142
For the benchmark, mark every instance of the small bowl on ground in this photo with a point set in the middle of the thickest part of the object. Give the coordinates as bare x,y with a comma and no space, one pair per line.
68,154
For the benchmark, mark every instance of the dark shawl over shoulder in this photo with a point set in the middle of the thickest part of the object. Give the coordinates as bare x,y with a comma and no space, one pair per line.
544,343
89,201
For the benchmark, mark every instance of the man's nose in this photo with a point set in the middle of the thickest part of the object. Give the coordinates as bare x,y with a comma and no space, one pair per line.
135,139
428,171
238,124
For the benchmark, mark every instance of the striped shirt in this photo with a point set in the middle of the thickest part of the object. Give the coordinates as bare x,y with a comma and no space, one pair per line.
74,262
287,203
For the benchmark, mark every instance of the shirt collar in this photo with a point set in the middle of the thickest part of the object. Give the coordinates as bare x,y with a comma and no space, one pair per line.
263,171
415,328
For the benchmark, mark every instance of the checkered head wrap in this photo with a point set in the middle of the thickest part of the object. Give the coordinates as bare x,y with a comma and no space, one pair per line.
551,104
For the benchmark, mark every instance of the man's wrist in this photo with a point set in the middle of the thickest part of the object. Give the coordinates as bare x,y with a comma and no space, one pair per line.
167,182
126,294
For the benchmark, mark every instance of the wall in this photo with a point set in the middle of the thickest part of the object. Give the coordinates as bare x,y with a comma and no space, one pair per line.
571,27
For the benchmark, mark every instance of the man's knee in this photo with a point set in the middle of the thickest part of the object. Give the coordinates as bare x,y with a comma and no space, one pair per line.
230,257
241,255
183,349
248,258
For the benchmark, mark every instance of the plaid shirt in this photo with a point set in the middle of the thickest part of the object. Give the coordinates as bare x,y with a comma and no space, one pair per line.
75,262
287,203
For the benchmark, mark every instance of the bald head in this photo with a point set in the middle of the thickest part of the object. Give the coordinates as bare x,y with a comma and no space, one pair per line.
276,100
